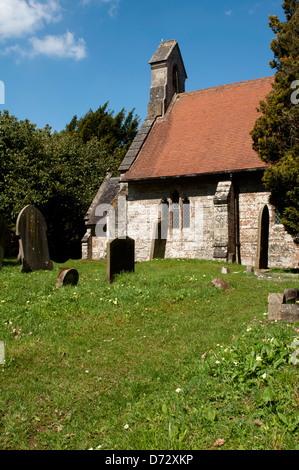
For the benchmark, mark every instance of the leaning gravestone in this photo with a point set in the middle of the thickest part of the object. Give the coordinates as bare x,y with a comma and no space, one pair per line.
31,229
120,256
2,239
67,276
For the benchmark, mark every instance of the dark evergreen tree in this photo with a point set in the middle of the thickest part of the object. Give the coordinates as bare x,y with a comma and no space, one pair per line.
116,133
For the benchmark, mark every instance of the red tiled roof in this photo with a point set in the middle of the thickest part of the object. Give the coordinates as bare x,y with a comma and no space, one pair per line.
204,131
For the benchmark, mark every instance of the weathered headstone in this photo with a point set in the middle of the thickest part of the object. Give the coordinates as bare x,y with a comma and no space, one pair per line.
289,313
67,276
225,270
2,239
120,256
291,295
31,229
2,354
283,306
221,283
275,300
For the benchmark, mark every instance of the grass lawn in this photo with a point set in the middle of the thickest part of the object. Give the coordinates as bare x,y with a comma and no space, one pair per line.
160,359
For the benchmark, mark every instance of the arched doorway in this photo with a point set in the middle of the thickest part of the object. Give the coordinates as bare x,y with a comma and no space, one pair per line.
263,238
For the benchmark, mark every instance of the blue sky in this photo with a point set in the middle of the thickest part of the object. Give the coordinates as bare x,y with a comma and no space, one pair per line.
59,58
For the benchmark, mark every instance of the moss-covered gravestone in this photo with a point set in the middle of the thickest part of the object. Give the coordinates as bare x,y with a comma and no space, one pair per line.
31,229
2,239
120,256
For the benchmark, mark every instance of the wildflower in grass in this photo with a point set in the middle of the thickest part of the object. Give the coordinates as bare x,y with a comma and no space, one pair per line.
178,390
236,363
217,362
126,426
258,359
264,376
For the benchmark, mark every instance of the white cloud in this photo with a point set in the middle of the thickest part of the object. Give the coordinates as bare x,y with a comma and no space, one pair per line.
228,13
22,17
64,46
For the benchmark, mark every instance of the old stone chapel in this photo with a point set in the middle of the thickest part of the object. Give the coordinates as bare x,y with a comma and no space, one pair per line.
191,184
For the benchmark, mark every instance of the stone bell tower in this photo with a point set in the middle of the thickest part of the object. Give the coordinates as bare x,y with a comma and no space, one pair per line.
168,77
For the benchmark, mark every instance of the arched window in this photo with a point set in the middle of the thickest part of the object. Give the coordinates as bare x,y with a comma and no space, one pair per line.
176,210
186,213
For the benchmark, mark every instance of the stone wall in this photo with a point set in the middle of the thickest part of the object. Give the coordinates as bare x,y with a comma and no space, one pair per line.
143,212
198,241
282,252
243,199
93,247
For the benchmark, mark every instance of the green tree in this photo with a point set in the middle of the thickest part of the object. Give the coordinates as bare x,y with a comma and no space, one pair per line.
276,132
116,133
57,173
60,173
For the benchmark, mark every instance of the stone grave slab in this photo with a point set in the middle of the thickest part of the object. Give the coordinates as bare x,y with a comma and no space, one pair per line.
67,276
31,229
221,283
225,270
120,256
283,306
275,301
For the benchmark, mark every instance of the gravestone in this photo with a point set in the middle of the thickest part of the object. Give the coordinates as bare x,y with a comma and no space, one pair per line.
2,355
2,239
291,295
31,229
225,270
120,256
283,306
275,301
221,283
67,276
